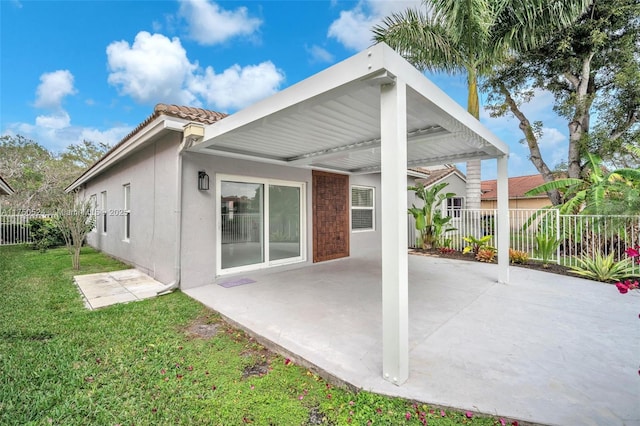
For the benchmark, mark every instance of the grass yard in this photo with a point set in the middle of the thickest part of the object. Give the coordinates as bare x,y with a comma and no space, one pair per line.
141,363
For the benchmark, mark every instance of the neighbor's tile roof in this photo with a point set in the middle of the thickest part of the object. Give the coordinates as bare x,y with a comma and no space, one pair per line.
518,186
436,175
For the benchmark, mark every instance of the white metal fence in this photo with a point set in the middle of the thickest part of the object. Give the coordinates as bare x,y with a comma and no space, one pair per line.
579,235
16,229
247,227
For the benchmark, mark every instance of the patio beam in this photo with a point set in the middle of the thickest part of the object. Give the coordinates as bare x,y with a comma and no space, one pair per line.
395,297
503,219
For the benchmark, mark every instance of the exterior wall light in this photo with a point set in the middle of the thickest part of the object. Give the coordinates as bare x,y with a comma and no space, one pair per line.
203,181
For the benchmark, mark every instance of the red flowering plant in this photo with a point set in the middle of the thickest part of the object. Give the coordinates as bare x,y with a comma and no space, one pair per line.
625,286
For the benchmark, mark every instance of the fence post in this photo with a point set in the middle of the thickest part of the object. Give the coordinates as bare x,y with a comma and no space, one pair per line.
557,213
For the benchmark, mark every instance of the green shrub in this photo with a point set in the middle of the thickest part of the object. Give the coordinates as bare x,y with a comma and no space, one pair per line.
546,247
517,256
603,268
45,234
477,244
486,255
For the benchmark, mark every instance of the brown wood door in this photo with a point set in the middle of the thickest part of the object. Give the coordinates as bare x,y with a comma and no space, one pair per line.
330,216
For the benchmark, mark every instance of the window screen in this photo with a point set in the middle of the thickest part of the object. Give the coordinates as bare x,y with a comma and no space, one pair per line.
362,208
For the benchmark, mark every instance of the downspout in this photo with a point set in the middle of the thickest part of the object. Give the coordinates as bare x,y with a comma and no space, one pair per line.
192,132
175,284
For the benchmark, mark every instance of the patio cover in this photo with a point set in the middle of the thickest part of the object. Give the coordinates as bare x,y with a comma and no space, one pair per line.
373,112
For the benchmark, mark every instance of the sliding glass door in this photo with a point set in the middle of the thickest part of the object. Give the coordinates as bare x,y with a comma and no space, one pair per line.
284,222
242,223
260,223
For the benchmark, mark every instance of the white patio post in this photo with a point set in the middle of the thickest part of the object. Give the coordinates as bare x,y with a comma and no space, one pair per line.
395,295
503,220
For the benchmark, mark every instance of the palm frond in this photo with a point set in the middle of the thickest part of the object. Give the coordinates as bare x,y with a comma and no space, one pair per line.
559,184
421,39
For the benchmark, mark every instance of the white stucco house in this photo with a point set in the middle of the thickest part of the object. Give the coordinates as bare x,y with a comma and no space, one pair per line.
313,173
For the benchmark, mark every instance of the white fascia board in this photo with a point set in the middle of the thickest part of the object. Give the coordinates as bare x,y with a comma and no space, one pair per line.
352,70
420,175
427,89
151,130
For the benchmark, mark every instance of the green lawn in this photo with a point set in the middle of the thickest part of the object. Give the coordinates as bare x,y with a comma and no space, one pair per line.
139,364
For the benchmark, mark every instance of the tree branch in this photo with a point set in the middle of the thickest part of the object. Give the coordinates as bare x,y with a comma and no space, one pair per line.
532,143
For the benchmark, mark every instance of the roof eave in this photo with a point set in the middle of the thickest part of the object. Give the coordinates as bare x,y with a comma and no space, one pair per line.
5,188
159,125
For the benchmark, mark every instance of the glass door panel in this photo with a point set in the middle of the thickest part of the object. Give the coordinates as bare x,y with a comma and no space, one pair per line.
242,224
284,222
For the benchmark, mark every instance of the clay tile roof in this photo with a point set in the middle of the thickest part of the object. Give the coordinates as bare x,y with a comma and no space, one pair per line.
200,115
518,186
436,174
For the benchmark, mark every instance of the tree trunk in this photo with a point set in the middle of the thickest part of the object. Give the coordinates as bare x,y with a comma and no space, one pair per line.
473,184
76,259
583,87
474,175
532,142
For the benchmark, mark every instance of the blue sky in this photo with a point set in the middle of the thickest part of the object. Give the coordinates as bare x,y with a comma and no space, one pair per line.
74,70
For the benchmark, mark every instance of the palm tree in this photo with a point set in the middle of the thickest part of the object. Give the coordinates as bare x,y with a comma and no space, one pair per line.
472,37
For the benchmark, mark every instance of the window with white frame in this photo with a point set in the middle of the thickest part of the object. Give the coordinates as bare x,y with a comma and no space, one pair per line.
103,207
454,206
362,208
93,202
127,211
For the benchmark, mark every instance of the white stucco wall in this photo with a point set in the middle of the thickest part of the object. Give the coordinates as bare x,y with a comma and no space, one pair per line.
151,174
199,210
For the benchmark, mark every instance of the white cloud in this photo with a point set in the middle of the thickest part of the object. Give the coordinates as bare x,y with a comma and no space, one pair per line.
319,54
552,137
237,86
152,68
57,139
55,121
156,69
54,86
209,24
353,28
53,129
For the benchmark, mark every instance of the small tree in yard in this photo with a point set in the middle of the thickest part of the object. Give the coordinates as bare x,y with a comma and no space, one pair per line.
74,220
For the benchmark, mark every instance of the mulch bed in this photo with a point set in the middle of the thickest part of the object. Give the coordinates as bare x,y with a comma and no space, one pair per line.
531,264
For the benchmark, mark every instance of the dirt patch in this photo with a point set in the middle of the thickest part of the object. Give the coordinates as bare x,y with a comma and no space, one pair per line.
531,264
203,328
317,417
260,369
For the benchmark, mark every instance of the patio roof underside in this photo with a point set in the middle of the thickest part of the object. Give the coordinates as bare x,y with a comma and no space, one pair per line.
338,129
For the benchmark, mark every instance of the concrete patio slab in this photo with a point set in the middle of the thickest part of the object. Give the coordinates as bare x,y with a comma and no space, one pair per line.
545,348
108,288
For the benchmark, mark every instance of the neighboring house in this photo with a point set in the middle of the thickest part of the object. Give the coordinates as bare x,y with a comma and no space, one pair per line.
456,184
518,186
192,195
5,189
